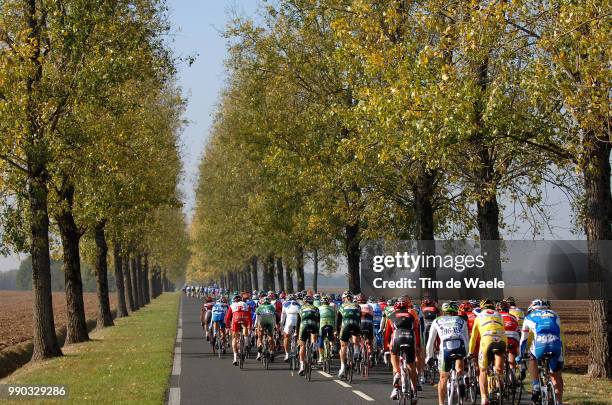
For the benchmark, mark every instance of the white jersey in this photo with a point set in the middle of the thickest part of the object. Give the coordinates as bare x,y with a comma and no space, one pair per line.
447,328
289,315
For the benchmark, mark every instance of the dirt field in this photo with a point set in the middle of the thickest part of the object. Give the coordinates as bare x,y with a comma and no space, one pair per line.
16,314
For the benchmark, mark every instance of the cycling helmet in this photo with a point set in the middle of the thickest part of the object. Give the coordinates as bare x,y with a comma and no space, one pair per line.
502,306
223,300
427,301
266,300
308,299
347,295
466,306
209,299
271,295
390,301
538,303
371,300
474,303
510,300
487,303
291,297
299,295
283,296
450,307
317,297
325,299
400,305
360,298
262,294
237,298
254,293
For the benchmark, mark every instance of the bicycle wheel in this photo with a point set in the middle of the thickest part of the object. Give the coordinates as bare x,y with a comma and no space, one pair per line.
349,362
365,361
473,388
241,351
552,397
518,392
309,360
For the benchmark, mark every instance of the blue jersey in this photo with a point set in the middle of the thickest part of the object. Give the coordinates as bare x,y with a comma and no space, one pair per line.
218,312
543,328
377,315
253,305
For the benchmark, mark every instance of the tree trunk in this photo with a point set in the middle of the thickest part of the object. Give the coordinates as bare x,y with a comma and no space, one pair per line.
141,280
118,260
353,256
280,273
254,276
598,218
76,325
423,200
129,290
315,276
44,340
165,281
299,268
270,272
145,279
135,282
105,318
288,278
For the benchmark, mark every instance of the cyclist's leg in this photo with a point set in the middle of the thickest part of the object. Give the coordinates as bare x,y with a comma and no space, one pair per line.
556,373
484,356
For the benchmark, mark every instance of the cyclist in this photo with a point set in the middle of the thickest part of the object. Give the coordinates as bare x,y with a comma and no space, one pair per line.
489,329
219,310
316,300
327,323
239,317
517,312
453,333
367,320
402,328
430,311
289,321
265,319
543,327
511,326
205,315
348,323
382,303
308,326
376,320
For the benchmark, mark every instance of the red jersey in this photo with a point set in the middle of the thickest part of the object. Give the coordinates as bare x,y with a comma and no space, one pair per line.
402,320
238,313
382,305
511,327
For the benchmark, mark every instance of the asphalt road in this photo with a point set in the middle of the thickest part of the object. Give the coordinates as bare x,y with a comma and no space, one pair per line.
199,377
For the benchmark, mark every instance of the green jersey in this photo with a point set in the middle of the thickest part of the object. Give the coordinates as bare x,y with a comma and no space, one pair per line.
327,315
309,313
266,311
350,312
317,303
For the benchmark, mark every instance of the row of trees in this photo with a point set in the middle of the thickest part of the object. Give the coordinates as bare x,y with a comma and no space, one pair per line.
90,118
345,120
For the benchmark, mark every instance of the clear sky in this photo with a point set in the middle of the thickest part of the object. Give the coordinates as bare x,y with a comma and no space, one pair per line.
198,24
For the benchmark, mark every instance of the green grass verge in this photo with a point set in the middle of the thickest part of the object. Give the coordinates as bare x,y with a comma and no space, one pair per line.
126,364
582,390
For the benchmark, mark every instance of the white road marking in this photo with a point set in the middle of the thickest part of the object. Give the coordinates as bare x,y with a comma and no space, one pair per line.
174,398
362,395
179,335
176,365
324,374
345,385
